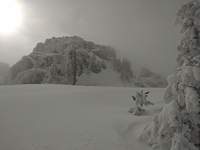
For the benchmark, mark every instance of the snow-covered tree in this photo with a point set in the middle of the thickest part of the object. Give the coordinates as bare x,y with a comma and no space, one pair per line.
140,101
20,66
31,76
177,127
55,55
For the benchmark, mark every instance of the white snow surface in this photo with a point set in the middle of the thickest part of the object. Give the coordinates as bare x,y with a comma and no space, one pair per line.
107,77
62,117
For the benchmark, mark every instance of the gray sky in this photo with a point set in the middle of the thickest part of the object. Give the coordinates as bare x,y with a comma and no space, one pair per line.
142,30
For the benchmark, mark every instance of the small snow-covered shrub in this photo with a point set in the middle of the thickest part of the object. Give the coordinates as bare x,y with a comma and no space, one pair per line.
140,101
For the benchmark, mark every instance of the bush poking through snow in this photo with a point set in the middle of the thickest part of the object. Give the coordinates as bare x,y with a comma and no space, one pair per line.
140,101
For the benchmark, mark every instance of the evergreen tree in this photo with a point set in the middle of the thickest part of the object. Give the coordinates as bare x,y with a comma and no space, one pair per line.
177,126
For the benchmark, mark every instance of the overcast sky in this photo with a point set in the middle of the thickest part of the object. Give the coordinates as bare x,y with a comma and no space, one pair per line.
142,30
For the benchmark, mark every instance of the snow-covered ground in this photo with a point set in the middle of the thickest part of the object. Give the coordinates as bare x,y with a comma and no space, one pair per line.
108,76
59,117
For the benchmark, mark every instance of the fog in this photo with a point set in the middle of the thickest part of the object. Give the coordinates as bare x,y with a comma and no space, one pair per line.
142,30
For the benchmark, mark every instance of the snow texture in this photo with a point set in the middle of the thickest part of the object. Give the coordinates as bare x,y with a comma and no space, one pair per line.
62,117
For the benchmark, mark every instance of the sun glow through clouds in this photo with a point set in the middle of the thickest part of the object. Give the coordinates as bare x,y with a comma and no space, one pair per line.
11,16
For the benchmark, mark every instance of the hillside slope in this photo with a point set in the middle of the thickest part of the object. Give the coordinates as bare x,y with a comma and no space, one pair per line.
70,60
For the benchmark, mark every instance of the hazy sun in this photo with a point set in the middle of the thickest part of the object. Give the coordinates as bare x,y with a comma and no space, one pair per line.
10,16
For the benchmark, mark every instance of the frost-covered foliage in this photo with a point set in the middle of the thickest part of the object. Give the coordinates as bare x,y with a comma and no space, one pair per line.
140,102
177,127
55,57
67,59
31,76
24,64
106,53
